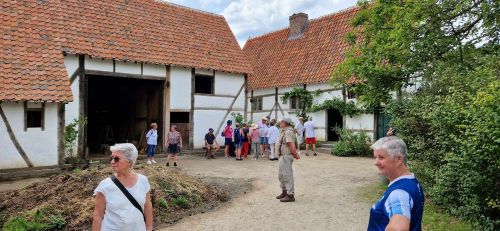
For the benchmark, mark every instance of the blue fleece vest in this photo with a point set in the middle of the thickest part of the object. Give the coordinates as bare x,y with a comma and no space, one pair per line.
379,218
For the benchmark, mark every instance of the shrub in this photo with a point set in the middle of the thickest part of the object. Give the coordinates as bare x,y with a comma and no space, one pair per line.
35,220
181,201
352,144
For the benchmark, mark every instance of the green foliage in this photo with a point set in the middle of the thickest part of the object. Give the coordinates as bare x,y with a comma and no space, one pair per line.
35,220
305,99
344,108
352,144
449,50
181,201
162,203
238,117
70,142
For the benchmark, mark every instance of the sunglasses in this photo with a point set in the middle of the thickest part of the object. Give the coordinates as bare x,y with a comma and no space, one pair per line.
114,158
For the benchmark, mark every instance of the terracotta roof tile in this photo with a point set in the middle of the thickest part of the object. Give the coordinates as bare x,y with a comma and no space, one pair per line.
280,62
34,35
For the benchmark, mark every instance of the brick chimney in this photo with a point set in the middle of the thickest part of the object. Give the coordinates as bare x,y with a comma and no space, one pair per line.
298,24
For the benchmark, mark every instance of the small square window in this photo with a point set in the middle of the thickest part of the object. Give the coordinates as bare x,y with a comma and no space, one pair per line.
203,84
294,103
351,94
34,118
257,104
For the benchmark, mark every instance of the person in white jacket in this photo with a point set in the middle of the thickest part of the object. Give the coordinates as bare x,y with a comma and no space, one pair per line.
273,136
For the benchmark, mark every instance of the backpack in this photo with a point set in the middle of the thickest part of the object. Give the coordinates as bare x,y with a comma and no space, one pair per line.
237,135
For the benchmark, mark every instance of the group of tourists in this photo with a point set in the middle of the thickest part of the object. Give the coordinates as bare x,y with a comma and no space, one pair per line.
123,201
259,139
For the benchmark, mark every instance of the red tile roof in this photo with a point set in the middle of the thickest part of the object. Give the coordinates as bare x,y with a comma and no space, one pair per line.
280,62
34,35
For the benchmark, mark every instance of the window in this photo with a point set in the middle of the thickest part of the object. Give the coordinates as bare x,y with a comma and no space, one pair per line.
203,84
257,104
351,94
179,117
294,103
33,115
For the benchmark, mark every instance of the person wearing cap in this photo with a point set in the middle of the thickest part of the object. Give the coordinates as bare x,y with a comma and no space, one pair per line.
228,138
211,144
299,130
285,146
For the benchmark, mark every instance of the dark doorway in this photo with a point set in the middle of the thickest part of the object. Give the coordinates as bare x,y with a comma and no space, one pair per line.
334,121
382,123
121,110
181,120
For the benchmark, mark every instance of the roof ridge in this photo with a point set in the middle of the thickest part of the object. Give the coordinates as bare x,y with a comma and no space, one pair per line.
310,20
187,8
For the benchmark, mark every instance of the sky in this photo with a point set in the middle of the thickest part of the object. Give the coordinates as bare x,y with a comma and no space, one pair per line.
252,18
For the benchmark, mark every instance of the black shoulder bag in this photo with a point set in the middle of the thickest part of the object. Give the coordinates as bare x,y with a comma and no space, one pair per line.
127,194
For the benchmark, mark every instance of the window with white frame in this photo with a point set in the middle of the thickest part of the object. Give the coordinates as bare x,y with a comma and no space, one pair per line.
257,103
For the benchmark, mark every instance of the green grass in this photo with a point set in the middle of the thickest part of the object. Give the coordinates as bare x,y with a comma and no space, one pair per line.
434,218
38,220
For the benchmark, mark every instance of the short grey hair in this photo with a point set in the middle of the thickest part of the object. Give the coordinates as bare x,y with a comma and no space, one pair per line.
128,150
393,145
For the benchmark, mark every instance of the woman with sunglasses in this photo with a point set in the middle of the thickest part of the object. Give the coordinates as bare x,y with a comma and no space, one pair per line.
113,210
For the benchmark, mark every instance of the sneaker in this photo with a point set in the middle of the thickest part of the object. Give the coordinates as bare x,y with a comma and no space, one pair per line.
175,164
148,162
153,161
315,154
168,164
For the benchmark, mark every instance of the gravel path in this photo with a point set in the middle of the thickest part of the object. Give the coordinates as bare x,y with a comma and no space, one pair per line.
326,190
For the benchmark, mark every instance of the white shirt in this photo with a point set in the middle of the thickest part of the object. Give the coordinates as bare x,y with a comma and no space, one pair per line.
300,128
120,214
152,137
273,134
309,126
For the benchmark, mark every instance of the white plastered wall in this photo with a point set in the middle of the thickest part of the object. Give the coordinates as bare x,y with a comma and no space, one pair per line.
362,122
180,88
40,146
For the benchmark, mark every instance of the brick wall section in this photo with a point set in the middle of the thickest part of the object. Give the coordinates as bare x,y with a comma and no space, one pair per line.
298,23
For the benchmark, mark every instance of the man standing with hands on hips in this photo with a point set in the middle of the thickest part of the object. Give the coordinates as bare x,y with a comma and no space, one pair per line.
285,146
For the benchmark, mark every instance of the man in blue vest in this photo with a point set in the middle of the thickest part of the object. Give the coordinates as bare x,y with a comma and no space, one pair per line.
402,205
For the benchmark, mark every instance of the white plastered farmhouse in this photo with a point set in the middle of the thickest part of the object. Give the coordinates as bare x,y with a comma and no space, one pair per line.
120,65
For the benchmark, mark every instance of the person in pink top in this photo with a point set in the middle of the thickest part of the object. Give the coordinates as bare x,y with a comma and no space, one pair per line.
255,140
228,135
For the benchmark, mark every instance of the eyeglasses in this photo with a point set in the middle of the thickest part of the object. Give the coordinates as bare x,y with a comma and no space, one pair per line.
114,158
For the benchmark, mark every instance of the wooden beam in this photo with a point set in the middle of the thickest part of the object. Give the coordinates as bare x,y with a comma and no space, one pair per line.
14,139
214,95
25,108
42,122
276,103
191,112
251,106
217,109
229,110
245,104
166,104
123,75
74,75
60,134
81,106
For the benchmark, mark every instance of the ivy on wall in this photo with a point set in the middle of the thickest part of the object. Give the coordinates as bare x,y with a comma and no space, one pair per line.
349,108
307,105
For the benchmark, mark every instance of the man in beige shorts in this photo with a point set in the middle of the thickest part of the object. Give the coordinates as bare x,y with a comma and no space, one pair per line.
285,147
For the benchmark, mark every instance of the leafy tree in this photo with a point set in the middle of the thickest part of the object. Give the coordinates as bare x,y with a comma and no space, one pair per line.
441,58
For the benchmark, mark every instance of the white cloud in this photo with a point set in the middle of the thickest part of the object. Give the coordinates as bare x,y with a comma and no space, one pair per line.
251,18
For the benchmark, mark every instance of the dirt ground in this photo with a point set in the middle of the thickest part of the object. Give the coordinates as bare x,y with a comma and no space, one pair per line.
326,190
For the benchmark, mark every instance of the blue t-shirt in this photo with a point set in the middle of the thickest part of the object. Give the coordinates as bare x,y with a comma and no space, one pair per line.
404,196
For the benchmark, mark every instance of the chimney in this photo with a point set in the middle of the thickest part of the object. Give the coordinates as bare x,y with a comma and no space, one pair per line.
298,23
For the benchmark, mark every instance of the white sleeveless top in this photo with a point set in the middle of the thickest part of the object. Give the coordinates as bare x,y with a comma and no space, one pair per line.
120,214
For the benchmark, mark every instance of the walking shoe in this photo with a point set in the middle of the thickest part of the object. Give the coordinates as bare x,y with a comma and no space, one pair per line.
153,161
288,198
148,162
282,195
315,154
168,164
175,164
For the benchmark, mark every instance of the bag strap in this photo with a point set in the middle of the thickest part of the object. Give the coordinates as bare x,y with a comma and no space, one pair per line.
127,194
